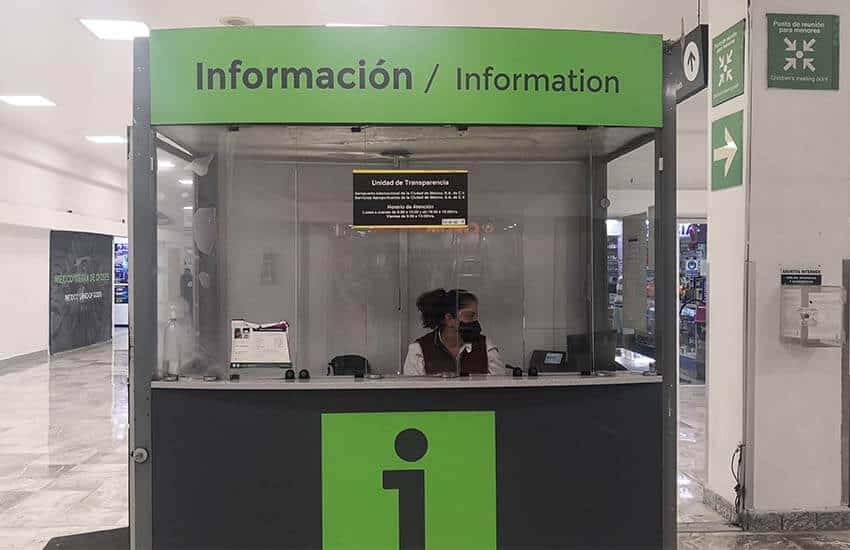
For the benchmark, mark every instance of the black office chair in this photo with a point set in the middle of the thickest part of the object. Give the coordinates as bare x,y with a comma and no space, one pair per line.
348,365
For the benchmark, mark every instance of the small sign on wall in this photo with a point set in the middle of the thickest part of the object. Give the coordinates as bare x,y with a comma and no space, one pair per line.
811,313
802,51
727,75
801,276
407,199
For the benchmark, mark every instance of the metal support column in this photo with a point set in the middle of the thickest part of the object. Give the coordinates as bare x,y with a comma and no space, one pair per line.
603,337
666,277
143,298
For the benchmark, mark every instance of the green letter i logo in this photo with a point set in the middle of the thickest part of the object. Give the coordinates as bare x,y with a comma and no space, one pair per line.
409,481
410,445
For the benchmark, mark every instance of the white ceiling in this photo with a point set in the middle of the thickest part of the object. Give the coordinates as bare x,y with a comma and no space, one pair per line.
46,51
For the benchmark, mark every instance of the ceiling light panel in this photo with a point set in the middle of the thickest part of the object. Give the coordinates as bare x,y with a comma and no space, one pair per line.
27,101
106,140
113,29
352,25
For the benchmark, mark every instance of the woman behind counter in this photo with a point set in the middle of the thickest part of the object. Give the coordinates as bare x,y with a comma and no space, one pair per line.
455,333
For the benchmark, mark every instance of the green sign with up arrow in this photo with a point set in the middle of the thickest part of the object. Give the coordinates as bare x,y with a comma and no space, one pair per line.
727,151
727,63
802,51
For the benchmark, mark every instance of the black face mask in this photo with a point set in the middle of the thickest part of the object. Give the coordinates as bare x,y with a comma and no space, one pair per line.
469,332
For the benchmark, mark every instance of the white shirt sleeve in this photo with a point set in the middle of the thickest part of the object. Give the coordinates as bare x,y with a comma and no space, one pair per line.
414,363
495,365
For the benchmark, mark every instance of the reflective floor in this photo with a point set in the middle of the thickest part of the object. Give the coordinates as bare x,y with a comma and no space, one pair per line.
693,514
63,446
772,541
63,457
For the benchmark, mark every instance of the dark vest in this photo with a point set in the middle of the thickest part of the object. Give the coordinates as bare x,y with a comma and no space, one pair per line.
438,359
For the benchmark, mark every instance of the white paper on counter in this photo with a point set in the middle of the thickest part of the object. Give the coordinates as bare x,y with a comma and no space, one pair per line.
252,345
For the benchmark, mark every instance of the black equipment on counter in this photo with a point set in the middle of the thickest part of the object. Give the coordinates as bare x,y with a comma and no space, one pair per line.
548,361
348,365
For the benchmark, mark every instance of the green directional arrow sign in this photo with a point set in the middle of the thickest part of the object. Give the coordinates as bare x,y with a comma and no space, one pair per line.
727,151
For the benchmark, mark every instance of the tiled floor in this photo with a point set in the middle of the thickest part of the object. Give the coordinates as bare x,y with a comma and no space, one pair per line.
63,446
760,541
702,528
693,514
63,457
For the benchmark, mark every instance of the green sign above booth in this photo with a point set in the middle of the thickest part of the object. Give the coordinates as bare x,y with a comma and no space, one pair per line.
405,75
802,51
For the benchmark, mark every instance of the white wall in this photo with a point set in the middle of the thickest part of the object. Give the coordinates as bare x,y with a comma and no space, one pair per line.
690,203
793,210
799,212
631,177
39,183
727,257
24,302
42,182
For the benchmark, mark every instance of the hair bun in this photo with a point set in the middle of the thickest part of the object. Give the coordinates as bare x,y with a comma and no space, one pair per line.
432,305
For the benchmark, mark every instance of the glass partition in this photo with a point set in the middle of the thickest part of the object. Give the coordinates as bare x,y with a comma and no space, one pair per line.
630,256
255,223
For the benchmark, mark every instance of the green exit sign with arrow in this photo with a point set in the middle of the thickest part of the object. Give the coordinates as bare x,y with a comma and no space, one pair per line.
727,151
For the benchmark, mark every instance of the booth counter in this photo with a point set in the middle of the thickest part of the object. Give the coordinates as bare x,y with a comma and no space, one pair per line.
560,461
355,203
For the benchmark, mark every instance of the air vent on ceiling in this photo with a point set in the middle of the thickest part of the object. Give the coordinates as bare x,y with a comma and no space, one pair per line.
236,21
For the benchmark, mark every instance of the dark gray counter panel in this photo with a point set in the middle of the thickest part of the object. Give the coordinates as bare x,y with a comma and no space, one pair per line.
575,466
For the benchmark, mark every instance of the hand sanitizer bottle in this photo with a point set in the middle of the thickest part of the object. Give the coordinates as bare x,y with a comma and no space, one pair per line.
170,363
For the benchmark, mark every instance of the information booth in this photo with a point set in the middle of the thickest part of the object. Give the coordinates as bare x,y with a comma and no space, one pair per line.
370,290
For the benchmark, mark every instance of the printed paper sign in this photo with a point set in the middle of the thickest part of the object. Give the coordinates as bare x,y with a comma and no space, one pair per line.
258,345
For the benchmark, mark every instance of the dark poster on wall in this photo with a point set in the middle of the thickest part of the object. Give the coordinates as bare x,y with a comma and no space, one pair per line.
80,289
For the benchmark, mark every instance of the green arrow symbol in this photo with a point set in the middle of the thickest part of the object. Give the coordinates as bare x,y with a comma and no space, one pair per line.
726,152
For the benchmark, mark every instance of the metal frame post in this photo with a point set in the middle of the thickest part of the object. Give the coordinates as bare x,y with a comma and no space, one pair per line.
143,298
666,318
